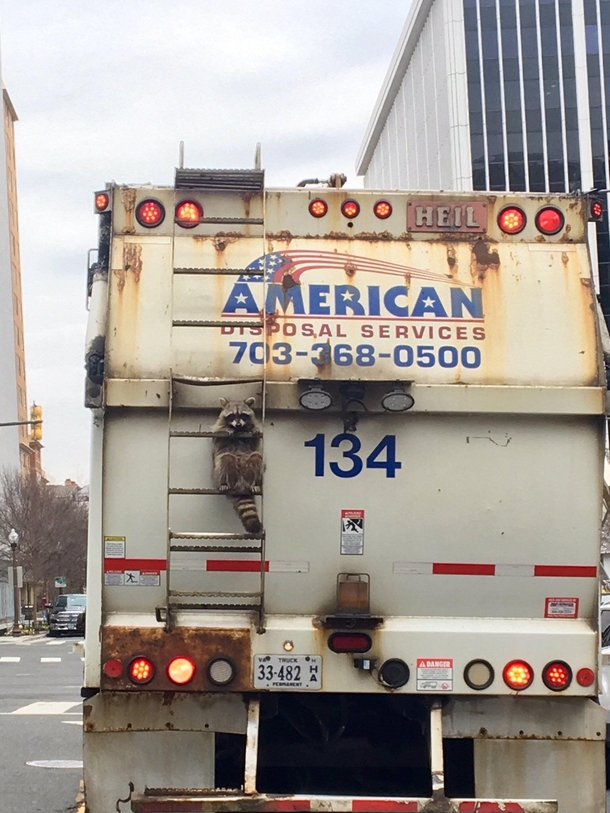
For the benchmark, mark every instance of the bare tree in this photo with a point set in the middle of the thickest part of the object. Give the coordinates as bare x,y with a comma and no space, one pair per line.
52,528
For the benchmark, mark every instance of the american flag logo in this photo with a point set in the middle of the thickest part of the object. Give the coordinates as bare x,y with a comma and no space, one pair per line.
275,266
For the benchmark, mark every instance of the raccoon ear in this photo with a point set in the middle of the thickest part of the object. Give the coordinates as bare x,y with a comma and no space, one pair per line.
250,401
223,402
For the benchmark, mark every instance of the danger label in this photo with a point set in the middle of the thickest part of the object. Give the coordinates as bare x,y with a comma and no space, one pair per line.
561,607
435,674
352,532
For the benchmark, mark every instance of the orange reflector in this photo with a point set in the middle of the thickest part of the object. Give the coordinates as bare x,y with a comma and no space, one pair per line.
511,220
349,642
350,208
181,670
113,668
549,220
518,675
188,214
382,209
318,208
150,213
141,670
585,677
557,676
101,201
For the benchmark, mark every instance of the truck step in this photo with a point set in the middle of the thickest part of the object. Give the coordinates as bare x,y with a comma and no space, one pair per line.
210,434
199,381
226,606
193,535
202,491
215,549
203,594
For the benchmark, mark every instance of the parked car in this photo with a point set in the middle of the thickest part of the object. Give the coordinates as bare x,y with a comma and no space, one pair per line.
66,612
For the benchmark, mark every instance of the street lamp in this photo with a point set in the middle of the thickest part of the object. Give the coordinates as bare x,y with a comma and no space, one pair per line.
13,539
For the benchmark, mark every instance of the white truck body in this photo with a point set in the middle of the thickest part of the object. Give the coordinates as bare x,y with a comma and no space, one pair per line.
467,527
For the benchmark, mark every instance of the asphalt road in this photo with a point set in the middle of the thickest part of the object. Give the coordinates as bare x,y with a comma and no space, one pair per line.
40,725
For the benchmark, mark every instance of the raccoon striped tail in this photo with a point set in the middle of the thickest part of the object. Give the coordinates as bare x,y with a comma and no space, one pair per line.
246,510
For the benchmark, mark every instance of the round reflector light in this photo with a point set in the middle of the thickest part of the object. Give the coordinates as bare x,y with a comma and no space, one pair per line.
350,209
141,670
585,677
382,209
181,670
101,201
113,668
394,673
318,207
479,674
518,675
188,214
557,676
349,642
221,671
511,220
150,213
549,220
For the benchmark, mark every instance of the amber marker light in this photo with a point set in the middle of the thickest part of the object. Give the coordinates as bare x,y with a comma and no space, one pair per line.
102,201
350,209
511,220
318,207
518,675
181,670
141,670
150,213
188,214
382,209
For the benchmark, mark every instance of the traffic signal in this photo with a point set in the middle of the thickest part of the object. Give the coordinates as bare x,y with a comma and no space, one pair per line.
36,419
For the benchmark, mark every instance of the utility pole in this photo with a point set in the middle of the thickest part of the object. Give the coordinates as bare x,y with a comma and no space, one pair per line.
13,539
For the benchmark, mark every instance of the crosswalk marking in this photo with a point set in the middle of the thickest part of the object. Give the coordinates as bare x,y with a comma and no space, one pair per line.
46,707
9,660
50,660
72,722
55,643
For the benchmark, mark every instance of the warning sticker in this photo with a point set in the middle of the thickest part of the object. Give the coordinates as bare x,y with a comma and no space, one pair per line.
114,547
132,577
561,607
352,532
114,578
150,578
435,674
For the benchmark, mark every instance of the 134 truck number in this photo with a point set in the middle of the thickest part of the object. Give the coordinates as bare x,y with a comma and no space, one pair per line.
383,456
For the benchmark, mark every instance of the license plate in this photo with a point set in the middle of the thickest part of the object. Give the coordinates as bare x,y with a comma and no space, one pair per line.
288,672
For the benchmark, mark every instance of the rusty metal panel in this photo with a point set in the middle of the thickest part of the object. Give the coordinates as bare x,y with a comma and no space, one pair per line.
202,645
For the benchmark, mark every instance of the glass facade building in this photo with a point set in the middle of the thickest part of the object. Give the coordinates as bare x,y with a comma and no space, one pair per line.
531,94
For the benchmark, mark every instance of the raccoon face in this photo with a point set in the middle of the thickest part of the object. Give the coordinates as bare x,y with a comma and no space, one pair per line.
238,415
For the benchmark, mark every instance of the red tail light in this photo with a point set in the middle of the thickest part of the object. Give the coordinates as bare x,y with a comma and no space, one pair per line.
349,642
318,207
596,210
102,199
518,675
350,209
150,213
557,676
382,209
113,668
512,220
549,220
181,670
585,677
141,670
188,214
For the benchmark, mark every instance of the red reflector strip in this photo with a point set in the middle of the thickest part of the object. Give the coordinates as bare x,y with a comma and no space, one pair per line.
565,570
372,806
111,565
458,569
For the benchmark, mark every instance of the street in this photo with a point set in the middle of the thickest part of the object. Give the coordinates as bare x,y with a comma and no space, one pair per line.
40,724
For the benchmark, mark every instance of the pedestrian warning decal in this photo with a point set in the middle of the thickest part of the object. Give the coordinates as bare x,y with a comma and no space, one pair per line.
352,532
114,547
435,674
561,607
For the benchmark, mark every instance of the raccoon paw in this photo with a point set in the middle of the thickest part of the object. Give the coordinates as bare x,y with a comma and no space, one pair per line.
256,489
223,487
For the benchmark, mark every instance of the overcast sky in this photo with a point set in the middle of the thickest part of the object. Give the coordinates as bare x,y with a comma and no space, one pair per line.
106,91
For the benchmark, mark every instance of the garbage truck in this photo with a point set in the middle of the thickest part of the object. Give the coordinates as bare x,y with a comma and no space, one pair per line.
345,502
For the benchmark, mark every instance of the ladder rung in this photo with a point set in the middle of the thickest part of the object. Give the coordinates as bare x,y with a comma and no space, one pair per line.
214,549
225,272
214,606
210,434
214,323
208,382
194,535
203,491
200,594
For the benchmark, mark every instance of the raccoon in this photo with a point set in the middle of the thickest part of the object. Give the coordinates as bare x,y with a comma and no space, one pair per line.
238,463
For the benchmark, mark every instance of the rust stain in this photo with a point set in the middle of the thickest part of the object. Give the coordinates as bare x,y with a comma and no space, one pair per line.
350,268
200,644
483,259
221,241
284,236
128,199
